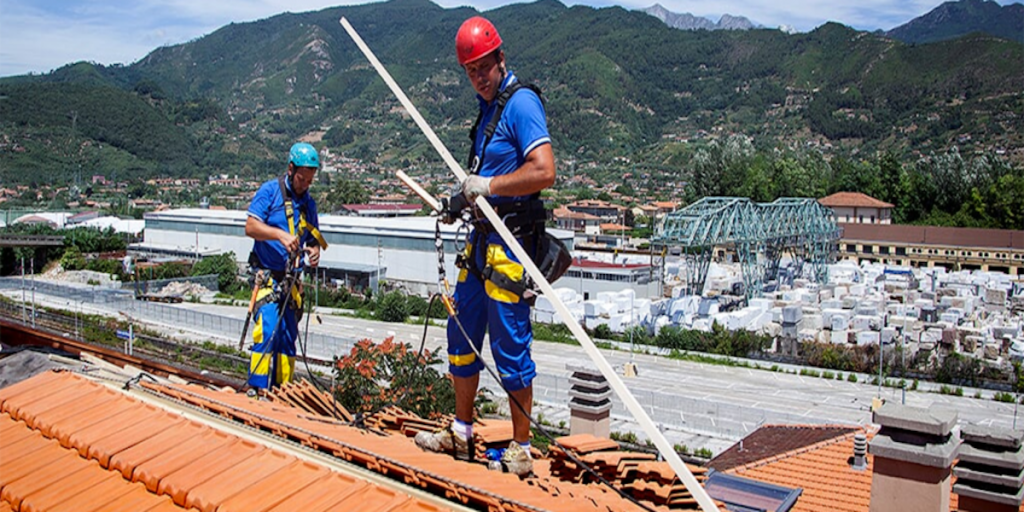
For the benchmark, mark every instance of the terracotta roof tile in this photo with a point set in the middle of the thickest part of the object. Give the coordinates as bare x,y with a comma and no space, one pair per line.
99,469
773,441
822,470
143,458
853,199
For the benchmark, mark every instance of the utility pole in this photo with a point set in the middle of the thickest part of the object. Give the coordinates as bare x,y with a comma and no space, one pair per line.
33,263
380,259
23,319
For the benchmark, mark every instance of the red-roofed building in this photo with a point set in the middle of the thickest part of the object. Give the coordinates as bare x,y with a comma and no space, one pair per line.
576,221
857,208
605,210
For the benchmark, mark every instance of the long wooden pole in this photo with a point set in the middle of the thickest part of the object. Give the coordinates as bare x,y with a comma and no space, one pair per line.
634,407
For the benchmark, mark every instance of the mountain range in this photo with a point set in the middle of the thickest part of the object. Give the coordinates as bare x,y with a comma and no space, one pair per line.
687,21
616,82
954,19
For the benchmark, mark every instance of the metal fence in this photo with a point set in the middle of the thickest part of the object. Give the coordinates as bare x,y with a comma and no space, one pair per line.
690,414
318,346
686,413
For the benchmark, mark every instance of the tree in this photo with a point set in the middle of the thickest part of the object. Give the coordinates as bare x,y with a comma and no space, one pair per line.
345,191
224,266
392,308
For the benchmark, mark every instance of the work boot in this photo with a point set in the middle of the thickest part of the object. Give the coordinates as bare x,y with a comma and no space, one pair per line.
445,440
517,460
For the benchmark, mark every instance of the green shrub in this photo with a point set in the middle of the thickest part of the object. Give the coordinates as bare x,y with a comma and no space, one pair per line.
72,259
392,308
604,332
374,375
624,437
1003,396
557,333
851,378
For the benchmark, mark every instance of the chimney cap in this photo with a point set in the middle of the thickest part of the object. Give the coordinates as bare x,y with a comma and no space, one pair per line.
994,436
935,422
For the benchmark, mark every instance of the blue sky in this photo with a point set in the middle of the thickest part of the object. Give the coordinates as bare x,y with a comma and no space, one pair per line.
38,36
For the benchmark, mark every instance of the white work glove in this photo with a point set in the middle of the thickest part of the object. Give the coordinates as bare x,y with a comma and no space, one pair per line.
476,185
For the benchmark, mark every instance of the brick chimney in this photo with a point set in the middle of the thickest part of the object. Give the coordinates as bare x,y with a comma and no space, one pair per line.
590,403
990,473
913,452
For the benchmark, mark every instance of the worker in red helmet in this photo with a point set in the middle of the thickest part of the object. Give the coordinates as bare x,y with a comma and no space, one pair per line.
510,162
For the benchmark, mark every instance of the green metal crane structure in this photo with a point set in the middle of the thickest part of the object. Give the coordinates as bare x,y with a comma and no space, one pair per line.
758,232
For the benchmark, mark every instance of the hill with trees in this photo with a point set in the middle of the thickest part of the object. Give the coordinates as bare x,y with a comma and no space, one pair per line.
622,89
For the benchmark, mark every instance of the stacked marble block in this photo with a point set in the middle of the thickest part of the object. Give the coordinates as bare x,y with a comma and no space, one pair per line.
990,474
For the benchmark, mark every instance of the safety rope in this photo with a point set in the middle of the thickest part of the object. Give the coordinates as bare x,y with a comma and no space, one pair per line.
453,314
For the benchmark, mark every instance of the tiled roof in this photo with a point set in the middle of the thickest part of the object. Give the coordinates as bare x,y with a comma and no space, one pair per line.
822,470
70,444
771,440
565,213
111,447
853,199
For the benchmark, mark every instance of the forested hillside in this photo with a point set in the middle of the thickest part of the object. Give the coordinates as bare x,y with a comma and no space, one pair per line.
620,86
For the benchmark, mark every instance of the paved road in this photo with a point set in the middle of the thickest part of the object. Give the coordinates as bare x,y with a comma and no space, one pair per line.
701,405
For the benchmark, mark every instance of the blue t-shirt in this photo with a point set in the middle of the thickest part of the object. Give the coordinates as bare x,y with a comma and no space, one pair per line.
268,206
522,128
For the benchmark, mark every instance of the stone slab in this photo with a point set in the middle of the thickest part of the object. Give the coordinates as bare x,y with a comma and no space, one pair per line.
920,451
592,384
590,409
980,494
590,394
915,419
1013,481
994,436
1013,460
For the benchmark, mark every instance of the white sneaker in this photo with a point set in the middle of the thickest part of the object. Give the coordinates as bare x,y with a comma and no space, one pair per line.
446,440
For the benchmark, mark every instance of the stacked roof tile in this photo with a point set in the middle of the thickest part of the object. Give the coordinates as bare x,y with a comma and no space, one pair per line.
398,457
637,473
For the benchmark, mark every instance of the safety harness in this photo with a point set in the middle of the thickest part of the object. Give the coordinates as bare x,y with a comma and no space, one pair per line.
269,293
525,219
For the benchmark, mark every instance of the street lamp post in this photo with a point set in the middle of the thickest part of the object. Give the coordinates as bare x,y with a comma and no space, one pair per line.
881,358
23,319
33,263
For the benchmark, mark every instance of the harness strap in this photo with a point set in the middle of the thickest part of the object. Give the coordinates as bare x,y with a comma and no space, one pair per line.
492,125
289,213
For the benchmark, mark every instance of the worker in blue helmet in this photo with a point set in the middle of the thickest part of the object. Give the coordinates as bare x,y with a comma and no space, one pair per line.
282,221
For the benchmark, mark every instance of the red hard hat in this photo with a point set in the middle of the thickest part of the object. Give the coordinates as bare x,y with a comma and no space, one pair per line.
477,37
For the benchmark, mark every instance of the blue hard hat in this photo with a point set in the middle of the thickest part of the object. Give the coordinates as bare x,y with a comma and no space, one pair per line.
304,155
